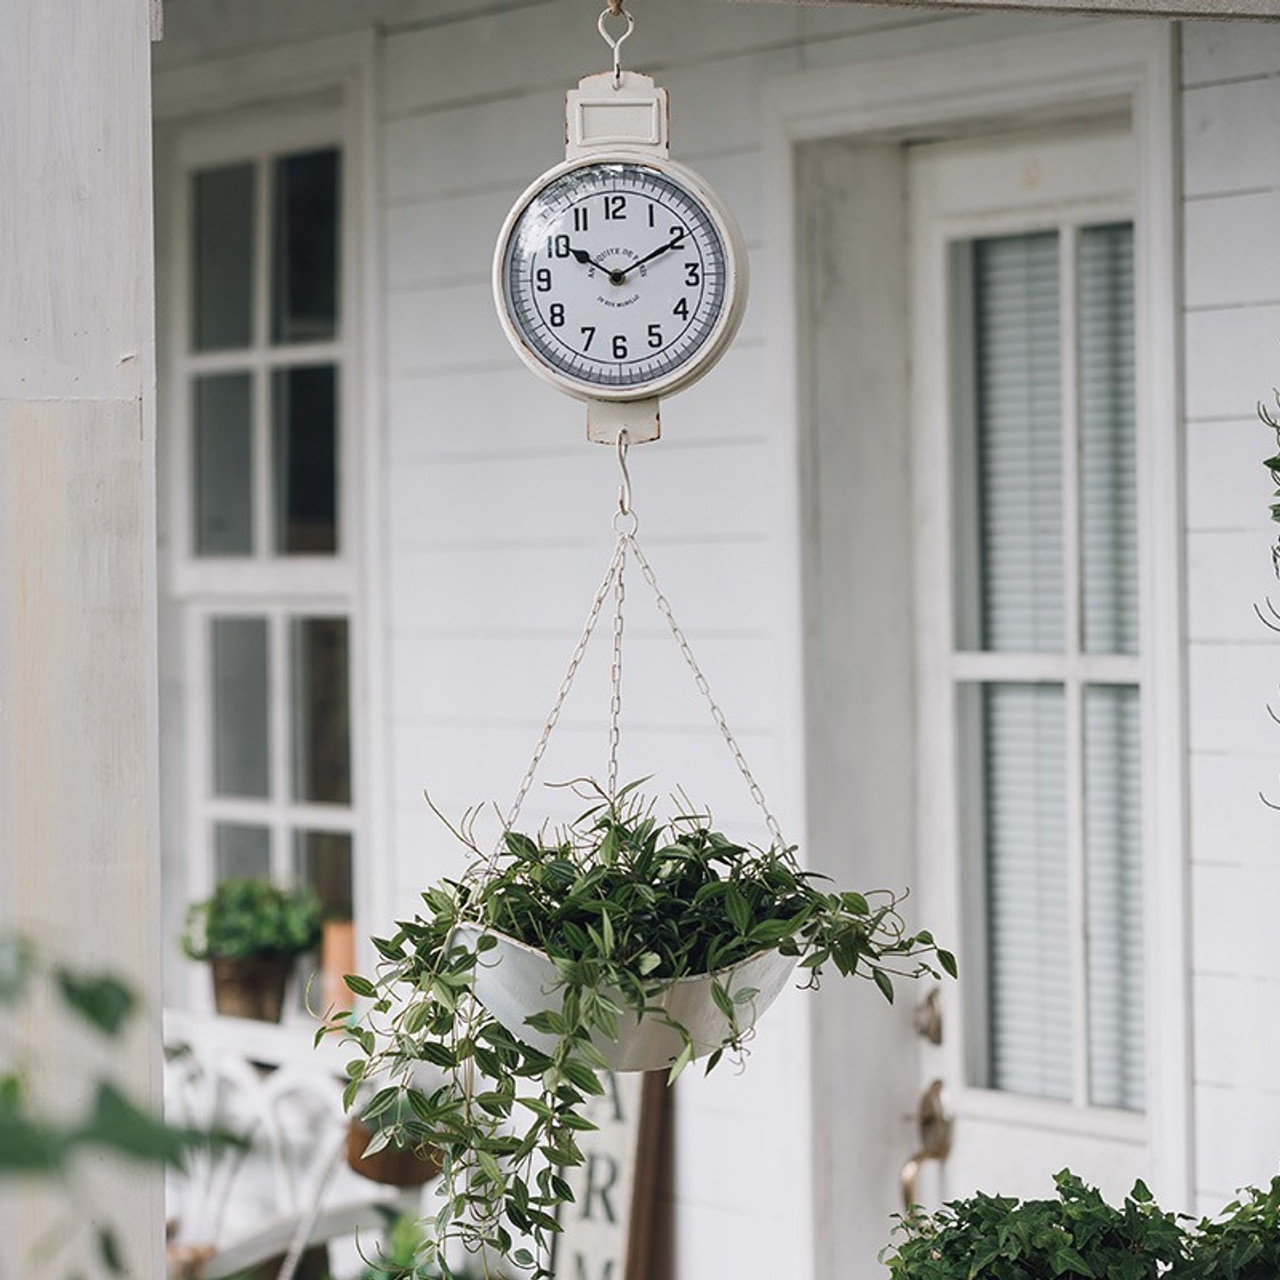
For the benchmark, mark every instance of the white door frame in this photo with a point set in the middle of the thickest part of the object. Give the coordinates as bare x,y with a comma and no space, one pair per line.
1096,69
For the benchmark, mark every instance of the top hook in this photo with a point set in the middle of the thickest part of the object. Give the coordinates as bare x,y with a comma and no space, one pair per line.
624,492
615,10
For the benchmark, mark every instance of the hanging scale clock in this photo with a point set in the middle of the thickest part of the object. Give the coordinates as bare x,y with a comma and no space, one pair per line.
619,276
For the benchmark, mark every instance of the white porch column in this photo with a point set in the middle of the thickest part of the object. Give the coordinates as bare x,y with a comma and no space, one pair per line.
78,758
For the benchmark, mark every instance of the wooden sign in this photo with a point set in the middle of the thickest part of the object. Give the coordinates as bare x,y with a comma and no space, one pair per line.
611,1230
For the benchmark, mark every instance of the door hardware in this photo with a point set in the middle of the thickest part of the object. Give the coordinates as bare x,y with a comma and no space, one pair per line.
936,1123
926,1017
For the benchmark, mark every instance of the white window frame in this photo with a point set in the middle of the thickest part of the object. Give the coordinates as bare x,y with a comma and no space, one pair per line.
945,665
267,103
1096,69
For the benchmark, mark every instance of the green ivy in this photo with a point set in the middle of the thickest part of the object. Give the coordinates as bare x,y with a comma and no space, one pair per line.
622,903
1080,1234
1242,1243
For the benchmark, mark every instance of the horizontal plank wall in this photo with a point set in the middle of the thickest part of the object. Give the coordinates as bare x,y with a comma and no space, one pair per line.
1231,121
496,511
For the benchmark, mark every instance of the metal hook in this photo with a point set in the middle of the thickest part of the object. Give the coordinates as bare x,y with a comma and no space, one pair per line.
624,491
615,10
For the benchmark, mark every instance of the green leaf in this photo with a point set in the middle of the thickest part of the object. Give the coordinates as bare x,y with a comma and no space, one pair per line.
109,1251
15,966
101,999
885,983
948,962
439,1055
361,986
118,1125
738,910
682,1060
583,1076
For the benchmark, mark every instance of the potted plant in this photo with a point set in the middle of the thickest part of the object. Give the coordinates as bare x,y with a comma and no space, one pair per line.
623,941
1076,1234
250,931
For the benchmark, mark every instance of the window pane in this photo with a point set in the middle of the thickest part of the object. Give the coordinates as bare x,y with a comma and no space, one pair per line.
223,201
241,851
1016,480
304,295
1108,490
1113,841
321,714
240,707
322,859
305,447
1025,839
223,466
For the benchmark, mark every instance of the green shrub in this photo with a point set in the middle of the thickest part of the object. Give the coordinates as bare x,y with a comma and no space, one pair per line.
248,917
1241,1243
1077,1234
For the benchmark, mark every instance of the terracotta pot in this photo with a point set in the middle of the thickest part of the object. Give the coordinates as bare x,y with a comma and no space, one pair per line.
337,958
250,986
514,980
392,1166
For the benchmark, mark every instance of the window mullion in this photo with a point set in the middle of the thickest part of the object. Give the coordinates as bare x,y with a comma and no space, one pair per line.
1068,294
281,732
262,466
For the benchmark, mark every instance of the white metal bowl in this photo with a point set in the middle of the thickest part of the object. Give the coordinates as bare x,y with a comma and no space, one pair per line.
514,980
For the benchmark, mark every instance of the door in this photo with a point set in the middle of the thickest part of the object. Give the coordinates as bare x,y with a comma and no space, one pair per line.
1031,679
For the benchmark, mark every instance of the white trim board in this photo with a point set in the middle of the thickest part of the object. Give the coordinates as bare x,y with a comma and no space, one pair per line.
1089,72
1215,9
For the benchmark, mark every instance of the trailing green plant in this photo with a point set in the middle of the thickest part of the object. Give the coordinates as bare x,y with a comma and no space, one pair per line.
252,917
44,1144
1241,1243
1076,1234
623,905
1272,464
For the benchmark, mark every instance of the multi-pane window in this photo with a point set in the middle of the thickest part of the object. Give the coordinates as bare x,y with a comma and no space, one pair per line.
1046,660
266,569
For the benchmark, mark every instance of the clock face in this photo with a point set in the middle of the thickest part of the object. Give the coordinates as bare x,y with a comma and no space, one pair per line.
616,279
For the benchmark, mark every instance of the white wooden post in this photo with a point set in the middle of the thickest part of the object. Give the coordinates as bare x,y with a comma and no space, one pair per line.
78,758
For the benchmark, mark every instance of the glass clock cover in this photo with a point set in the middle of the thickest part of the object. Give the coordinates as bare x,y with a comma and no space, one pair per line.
618,279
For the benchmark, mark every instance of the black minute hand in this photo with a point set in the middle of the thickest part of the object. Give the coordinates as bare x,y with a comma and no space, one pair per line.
649,257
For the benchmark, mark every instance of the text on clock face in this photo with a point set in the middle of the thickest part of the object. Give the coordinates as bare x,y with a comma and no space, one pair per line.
615,274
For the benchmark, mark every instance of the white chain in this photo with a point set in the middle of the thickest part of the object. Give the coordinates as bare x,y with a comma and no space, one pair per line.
705,689
615,671
615,568
625,525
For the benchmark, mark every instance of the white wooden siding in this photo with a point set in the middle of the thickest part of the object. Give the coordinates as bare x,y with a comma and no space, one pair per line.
495,510
1231,118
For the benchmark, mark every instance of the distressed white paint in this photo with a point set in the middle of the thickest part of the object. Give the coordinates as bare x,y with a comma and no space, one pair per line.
78,868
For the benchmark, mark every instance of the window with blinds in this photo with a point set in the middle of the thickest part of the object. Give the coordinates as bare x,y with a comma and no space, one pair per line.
1046,660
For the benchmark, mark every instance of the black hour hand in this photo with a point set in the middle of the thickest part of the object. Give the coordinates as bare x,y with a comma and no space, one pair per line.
588,261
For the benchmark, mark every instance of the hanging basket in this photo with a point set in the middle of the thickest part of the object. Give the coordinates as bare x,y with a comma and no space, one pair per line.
514,980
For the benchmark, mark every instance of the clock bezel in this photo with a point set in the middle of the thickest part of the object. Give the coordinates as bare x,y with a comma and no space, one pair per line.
724,327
